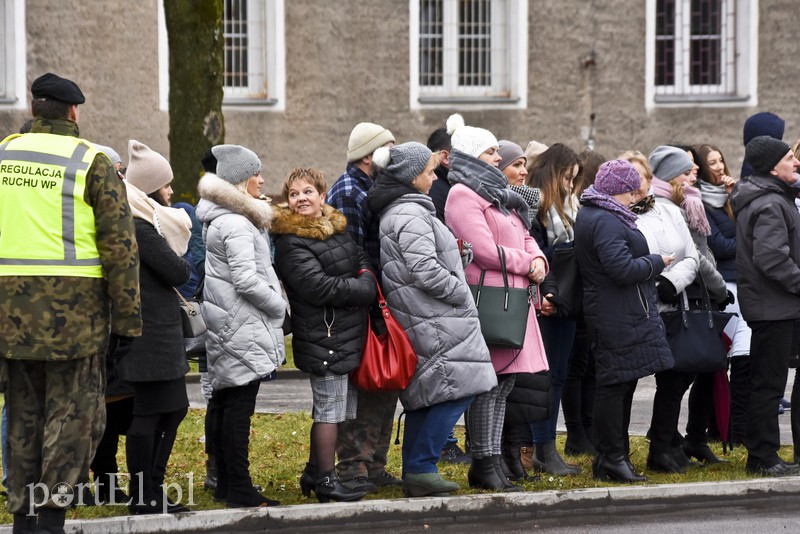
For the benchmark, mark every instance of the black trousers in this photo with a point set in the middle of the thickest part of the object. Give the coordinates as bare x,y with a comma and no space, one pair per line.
119,415
670,388
236,406
772,345
701,408
612,417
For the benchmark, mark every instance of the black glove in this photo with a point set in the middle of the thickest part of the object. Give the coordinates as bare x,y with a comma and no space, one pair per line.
666,291
729,300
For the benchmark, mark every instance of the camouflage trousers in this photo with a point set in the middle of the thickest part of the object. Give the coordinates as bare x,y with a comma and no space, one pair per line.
56,418
363,443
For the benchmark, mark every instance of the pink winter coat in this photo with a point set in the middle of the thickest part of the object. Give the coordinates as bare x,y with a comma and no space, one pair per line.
475,220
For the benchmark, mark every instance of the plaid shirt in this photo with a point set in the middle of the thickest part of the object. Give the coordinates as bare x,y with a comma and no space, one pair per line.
349,195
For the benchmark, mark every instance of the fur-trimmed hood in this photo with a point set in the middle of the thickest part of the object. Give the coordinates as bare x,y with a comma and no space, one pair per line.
284,221
218,196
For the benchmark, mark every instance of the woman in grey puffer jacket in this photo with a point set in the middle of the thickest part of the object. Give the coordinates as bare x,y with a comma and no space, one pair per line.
243,309
428,295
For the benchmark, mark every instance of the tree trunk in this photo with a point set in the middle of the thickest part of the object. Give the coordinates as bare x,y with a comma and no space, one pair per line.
194,29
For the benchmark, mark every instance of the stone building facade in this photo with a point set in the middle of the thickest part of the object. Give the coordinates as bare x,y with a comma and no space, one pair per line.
330,65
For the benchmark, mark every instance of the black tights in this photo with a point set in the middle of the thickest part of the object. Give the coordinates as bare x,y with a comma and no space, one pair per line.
323,446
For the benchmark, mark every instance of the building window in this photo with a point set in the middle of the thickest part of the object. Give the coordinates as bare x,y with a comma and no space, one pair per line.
252,46
254,54
12,54
701,50
468,51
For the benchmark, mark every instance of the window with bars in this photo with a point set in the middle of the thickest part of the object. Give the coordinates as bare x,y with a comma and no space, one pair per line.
252,30
695,48
467,49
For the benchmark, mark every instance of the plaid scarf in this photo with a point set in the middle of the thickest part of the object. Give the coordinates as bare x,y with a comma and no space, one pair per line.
488,182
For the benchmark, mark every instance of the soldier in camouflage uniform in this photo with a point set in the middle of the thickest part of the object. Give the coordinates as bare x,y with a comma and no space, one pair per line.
54,329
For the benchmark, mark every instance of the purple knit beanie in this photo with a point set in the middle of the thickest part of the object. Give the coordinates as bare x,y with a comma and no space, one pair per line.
617,176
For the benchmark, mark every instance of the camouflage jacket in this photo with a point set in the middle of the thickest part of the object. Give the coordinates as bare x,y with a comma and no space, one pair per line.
65,318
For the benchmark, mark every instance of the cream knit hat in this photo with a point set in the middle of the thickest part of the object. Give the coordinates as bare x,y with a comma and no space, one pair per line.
365,138
468,139
148,171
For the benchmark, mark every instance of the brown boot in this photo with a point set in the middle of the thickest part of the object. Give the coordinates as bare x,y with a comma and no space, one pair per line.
526,456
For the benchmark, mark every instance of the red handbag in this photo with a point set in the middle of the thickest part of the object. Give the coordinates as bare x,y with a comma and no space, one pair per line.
389,361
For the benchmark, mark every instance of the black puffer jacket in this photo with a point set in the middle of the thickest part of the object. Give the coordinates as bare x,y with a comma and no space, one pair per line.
318,262
159,353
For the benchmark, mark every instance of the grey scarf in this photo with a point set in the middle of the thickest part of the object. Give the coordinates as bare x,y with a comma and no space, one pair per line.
713,195
488,182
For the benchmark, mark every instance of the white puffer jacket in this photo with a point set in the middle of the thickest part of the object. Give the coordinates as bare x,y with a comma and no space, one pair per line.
243,306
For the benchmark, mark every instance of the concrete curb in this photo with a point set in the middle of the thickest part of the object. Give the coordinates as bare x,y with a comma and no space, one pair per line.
466,510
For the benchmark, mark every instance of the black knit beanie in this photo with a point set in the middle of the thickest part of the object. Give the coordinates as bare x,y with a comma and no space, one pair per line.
764,152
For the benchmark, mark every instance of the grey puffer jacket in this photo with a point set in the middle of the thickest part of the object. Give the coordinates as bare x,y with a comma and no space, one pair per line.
243,306
427,292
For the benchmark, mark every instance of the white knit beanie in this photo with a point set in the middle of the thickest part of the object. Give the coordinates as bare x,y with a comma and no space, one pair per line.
365,138
148,170
468,139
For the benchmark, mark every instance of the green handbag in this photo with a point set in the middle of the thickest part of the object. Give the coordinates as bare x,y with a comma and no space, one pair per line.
503,311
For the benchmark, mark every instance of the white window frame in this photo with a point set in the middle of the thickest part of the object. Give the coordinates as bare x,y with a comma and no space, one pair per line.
742,88
514,94
268,38
14,58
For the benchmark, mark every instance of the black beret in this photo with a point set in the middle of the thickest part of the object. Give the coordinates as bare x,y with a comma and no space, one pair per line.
57,88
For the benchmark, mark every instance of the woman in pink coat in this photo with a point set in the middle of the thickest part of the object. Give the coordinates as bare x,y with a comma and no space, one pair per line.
482,209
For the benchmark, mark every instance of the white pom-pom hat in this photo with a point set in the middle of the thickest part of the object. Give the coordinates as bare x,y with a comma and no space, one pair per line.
468,139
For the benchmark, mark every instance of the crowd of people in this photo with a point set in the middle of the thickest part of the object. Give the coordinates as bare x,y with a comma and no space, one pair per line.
604,248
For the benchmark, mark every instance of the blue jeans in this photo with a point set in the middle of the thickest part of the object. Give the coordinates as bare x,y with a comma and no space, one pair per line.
558,336
425,433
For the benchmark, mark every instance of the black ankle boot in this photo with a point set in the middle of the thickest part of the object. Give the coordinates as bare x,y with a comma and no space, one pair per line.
578,443
308,480
330,488
497,461
513,460
618,469
663,462
24,524
212,475
51,521
482,474
702,452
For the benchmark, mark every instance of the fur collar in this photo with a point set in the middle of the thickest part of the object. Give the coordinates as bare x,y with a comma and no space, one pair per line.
226,195
332,222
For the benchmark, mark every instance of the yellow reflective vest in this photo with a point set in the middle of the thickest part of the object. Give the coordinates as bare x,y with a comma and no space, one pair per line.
46,227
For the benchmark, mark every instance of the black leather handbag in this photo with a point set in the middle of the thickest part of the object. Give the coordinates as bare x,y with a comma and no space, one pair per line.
695,335
503,311
569,287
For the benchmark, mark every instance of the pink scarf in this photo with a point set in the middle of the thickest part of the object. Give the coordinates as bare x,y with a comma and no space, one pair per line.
692,205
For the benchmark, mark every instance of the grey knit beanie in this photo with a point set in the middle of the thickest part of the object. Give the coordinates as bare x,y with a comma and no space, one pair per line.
405,162
235,163
668,162
510,152
764,152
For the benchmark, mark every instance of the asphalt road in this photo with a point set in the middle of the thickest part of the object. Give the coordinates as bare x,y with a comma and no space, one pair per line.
294,395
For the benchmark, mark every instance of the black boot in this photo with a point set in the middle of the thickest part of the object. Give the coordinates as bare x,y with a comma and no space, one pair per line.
482,474
663,462
139,452
108,490
578,442
513,460
51,521
212,475
162,450
24,524
497,460
308,480
617,469
702,452
552,462
329,488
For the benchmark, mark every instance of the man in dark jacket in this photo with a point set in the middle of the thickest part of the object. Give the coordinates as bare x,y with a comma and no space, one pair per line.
768,274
